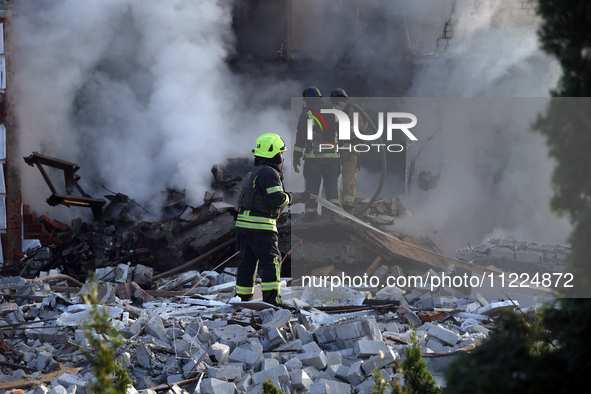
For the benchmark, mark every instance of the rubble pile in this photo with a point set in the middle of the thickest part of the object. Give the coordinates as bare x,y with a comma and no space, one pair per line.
383,211
203,341
184,331
186,237
82,247
517,256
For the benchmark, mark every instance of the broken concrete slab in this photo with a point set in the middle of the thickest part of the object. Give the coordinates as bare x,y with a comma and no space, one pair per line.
496,308
218,352
155,327
343,335
300,379
355,375
517,256
477,328
226,372
232,336
320,388
144,356
252,359
58,390
303,334
336,387
276,339
379,361
315,358
142,275
334,358
122,273
437,346
318,296
291,346
215,386
107,292
446,336
389,293
365,348
293,364
277,320
279,372
269,363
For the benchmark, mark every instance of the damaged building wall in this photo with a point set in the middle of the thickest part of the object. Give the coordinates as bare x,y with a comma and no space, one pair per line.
12,200
326,29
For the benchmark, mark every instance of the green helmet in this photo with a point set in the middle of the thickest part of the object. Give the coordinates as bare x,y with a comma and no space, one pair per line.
268,145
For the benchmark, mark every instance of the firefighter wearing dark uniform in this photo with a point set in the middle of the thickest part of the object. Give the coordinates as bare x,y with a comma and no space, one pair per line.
349,158
260,203
320,164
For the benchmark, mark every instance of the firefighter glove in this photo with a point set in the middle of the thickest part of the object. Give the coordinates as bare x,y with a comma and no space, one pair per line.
297,157
298,198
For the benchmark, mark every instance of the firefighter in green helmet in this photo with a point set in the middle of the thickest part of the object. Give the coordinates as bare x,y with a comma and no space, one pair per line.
260,203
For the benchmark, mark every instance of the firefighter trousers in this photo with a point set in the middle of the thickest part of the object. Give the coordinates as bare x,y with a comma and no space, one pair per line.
318,170
259,247
349,163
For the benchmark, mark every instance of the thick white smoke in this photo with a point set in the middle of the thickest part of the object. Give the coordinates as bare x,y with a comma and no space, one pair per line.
137,92
494,170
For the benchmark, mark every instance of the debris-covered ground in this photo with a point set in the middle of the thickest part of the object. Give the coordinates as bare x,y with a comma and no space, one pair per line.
200,340
186,333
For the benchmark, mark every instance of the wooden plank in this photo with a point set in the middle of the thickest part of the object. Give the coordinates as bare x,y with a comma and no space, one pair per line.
373,265
391,248
66,289
322,271
18,366
153,293
47,378
379,251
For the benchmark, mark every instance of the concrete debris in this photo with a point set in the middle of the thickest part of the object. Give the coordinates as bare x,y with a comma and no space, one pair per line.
496,308
517,256
329,343
318,296
410,316
277,320
443,334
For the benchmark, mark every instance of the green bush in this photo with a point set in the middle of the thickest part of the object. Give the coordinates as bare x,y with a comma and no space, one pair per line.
111,376
379,386
269,387
417,379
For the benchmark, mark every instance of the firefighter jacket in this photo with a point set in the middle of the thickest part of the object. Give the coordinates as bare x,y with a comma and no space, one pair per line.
324,132
262,198
362,123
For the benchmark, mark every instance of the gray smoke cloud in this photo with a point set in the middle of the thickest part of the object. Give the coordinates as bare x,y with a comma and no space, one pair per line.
494,170
137,92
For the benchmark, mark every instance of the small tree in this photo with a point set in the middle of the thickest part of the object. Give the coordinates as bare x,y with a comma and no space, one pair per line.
270,388
379,386
417,379
111,376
